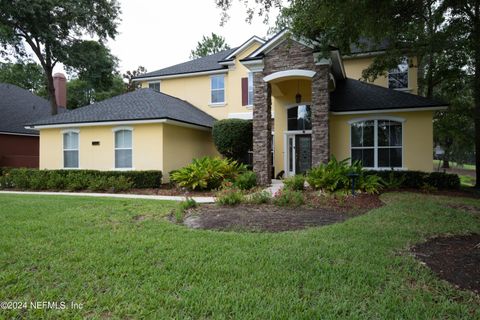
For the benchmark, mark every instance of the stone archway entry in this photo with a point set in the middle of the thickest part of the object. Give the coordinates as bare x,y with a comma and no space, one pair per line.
289,59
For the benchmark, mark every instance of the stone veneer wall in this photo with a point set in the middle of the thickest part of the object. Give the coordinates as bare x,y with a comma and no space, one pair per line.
288,55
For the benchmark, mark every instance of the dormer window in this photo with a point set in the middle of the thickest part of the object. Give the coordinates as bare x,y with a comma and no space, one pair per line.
398,77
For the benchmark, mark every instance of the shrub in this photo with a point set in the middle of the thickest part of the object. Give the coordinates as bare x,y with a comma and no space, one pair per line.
442,180
418,179
370,184
120,183
230,197
289,198
295,183
261,197
233,137
207,173
246,181
78,179
332,176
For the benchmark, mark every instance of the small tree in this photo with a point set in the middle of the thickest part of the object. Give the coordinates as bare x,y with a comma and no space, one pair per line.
129,75
233,137
209,45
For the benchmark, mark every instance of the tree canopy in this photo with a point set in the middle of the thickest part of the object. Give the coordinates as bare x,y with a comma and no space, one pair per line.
129,75
209,45
27,75
53,29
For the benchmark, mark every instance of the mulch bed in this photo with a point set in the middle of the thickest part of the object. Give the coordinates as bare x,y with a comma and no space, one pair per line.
272,218
453,258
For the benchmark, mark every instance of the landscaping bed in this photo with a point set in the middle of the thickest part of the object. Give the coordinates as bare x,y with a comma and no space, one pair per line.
453,258
271,218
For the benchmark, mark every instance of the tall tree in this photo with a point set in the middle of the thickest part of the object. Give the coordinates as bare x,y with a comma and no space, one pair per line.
130,75
51,28
27,75
209,45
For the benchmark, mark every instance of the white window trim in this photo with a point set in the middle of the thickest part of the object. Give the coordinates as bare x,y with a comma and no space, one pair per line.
220,103
375,140
71,130
115,130
155,82
250,105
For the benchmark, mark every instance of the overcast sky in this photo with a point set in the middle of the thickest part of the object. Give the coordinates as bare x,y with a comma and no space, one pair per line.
159,33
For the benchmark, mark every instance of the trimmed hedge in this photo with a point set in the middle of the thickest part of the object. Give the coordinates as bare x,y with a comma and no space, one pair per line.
418,179
233,137
78,179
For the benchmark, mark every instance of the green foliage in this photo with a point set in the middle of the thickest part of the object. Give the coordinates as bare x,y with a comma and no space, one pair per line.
182,207
246,181
230,197
289,198
295,183
233,138
75,180
207,173
26,75
418,179
129,75
334,176
209,45
53,31
261,197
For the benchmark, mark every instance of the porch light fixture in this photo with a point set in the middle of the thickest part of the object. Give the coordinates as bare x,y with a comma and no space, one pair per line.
298,96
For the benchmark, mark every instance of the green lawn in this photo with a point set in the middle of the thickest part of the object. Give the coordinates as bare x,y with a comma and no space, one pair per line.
455,165
91,251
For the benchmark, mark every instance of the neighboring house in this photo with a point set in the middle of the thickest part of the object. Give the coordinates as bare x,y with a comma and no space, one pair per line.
18,145
304,109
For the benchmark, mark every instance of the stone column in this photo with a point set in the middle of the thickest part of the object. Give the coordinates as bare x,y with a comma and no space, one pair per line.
320,106
262,129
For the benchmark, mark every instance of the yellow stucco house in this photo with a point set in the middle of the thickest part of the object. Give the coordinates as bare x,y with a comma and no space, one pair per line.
304,108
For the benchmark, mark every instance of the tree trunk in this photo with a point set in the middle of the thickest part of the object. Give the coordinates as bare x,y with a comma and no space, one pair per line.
446,164
476,92
51,91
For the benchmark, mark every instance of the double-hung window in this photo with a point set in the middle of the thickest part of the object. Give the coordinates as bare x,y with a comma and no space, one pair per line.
123,149
398,77
70,149
250,89
217,89
377,143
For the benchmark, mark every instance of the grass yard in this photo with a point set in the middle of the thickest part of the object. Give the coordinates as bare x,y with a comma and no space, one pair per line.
120,259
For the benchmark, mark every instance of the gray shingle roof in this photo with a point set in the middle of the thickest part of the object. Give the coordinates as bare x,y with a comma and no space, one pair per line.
353,95
208,63
18,107
142,104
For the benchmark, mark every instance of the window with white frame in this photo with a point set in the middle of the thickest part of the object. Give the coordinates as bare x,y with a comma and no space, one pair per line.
123,148
250,88
377,143
398,77
70,149
154,85
217,89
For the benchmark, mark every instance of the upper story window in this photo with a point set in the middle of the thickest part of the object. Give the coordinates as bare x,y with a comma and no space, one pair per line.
217,89
250,89
398,77
70,149
377,143
299,118
154,85
123,148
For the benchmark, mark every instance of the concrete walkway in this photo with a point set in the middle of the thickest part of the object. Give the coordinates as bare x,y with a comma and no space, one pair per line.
113,195
276,186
